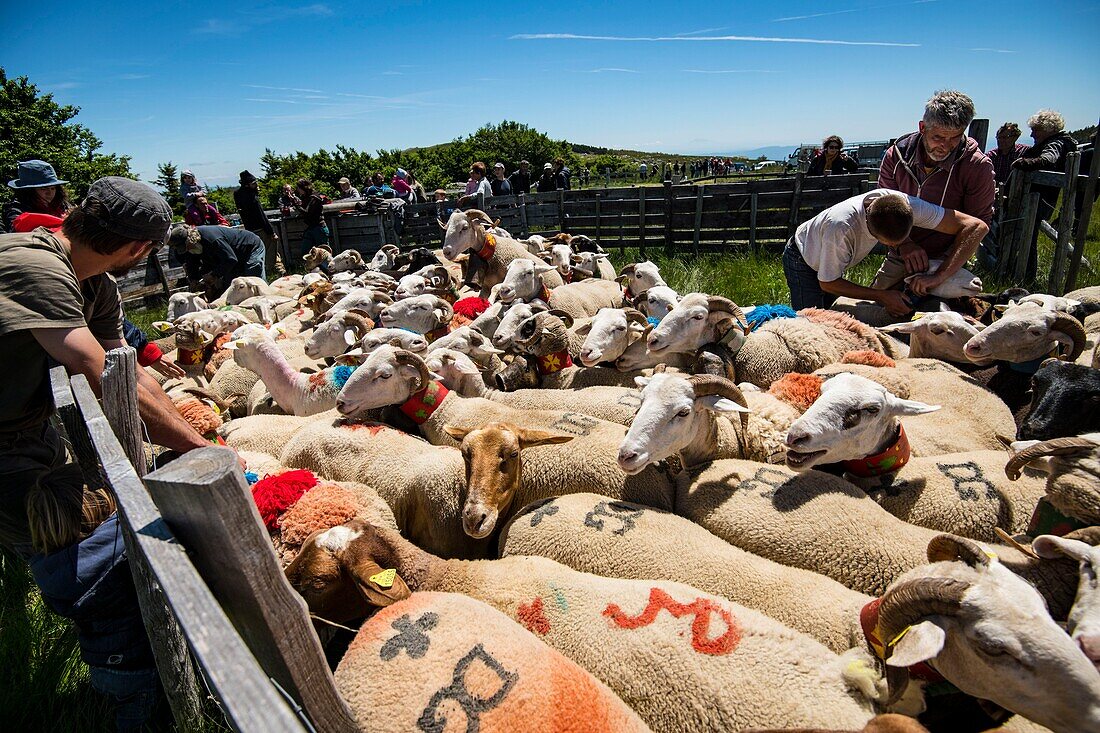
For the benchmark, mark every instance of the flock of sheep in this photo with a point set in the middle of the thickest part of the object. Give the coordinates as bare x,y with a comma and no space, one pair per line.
570,499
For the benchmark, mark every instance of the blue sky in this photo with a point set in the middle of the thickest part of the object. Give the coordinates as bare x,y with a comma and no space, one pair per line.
210,85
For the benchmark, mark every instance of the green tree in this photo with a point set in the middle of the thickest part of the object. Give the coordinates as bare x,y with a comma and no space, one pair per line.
33,125
222,198
168,181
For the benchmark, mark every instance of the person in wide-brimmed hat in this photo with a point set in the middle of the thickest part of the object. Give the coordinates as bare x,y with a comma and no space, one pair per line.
38,190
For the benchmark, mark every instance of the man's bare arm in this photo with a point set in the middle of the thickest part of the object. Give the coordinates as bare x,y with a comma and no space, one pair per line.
81,353
969,232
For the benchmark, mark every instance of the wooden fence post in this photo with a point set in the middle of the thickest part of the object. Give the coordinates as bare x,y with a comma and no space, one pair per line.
699,192
561,209
641,220
1009,216
1086,215
669,237
979,130
1024,234
177,675
597,216
523,214
753,203
796,203
481,201
332,220
1055,285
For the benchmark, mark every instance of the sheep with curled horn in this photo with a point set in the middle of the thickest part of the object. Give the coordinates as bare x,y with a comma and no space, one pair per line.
337,332
489,253
698,319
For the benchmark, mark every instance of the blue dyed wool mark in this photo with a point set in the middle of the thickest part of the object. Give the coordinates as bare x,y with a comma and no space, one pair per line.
339,375
761,314
251,477
654,321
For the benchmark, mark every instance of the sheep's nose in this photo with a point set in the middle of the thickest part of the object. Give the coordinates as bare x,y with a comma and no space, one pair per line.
975,347
796,437
1090,645
341,406
626,455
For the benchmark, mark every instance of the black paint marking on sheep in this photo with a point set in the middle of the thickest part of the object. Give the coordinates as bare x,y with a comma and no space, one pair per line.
632,400
575,423
411,637
772,478
544,508
625,513
969,480
429,720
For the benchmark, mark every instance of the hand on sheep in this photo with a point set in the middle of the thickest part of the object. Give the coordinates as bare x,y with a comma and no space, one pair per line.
923,284
894,302
915,258
168,368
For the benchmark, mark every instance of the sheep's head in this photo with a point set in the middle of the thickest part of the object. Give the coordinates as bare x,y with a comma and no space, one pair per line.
939,335
1083,623
560,256
1065,401
962,284
389,376
340,572
853,418
505,333
609,333
346,261
988,631
522,280
316,257
421,313
1025,332
640,277
544,333
396,337
385,258
452,366
243,288
182,303
252,350
431,279
465,230
468,341
315,296
493,469
699,319
586,264
659,301
338,333
675,412
1072,466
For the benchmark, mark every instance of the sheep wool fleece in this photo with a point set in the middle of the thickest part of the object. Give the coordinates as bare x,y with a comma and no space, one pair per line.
618,539
684,660
443,662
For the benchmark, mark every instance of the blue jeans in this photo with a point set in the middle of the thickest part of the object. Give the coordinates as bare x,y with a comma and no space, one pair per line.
802,280
255,267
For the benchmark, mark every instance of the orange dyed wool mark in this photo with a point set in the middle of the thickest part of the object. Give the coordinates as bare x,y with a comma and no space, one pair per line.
316,381
700,608
372,428
532,616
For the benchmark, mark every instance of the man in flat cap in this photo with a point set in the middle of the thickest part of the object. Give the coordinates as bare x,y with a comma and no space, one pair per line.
56,300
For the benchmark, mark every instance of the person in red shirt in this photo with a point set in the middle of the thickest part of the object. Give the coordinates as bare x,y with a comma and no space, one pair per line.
202,212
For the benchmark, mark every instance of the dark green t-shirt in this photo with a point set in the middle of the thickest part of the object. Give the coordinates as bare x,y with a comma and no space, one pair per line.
39,289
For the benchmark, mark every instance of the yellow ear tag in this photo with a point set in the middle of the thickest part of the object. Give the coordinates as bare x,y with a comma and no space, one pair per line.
901,634
384,579
990,554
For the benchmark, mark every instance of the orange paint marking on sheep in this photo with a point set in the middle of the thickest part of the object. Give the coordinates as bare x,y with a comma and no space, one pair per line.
701,608
533,616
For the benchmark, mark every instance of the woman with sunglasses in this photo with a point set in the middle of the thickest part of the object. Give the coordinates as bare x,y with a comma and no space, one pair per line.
831,159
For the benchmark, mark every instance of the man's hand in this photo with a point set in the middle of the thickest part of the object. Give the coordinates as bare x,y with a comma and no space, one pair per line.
895,303
923,284
168,368
915,258
1027,164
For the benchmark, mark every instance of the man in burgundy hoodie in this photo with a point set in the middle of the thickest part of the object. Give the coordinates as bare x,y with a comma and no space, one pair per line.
943,166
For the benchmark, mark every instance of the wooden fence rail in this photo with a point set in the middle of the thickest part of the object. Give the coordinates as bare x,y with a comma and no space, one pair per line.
209,583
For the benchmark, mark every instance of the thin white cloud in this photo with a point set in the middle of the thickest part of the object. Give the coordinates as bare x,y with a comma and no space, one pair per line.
285,101
991,50
64,85
393,73
658,39
701,31
242,22
730,71
132,77
284,89
218,27
851,10
610,70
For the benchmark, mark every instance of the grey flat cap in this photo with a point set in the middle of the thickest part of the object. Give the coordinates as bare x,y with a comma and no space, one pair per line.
133,209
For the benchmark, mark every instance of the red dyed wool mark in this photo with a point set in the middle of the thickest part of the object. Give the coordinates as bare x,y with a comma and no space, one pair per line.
372,428
532,616
701,608
316,381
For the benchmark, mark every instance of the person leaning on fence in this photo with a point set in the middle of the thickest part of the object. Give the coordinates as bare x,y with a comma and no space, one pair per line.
1052,145
59,303
478,183
943,166
825,247
1006,152
419,195
213,256
520,181
400,185
38,190
548,181
254,219
312,210
500,184
832,159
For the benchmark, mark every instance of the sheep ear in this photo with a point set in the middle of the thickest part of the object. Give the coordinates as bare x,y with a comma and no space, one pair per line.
381,587
231,345
714,403
642,381
541,267
911,407
529,438
458,433
920,643
903,327
1050,547
349,337
583,329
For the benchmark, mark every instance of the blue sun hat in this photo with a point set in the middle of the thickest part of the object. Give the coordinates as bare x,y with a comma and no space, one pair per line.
35,174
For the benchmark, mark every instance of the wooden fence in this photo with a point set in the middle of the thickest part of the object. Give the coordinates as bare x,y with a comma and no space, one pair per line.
683,218
211,591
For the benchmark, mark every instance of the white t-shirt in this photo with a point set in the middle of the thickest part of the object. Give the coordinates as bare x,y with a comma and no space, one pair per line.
838,238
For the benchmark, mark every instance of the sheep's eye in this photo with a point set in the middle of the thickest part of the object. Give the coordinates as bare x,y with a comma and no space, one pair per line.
384,376
990,647
1036,331
871,409
697,318
684,412
851,418
514,454
619,328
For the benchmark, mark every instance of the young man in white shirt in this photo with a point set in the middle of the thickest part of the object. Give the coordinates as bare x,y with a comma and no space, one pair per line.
824,247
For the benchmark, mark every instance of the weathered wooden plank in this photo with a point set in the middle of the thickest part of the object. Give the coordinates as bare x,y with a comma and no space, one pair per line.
119,389
753,211
1086,215
205,500
1023,236
250,701
74,428
1063,243
979,130
641,222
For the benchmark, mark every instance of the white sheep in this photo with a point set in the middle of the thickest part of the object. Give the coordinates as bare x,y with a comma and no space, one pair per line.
697,320
560,257
242,288
523,281
288,285
1083,622
385,258
182,303
428,315
609,333
939,335
433,279
658,301
588,265
640,277
369,300
489,257
1026,332
960,285
471,343
398,337
338,332
510,317
735,668
296,393
349,260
